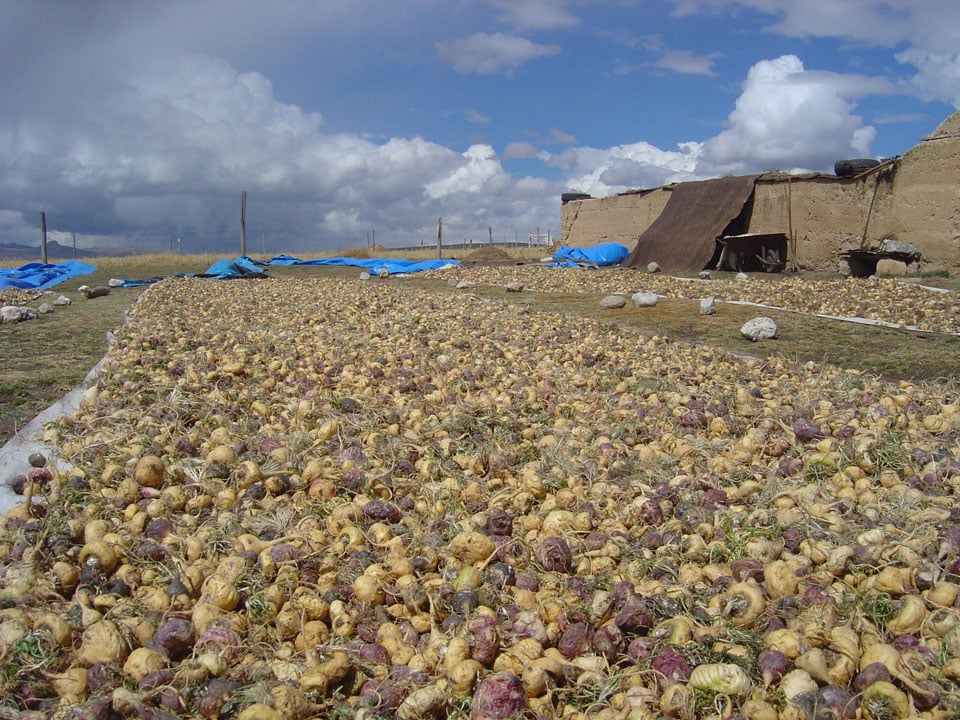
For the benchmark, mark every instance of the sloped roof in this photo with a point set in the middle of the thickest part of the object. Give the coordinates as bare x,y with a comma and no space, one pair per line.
683,235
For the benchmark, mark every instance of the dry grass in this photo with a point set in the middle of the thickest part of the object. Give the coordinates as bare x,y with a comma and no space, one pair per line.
42,359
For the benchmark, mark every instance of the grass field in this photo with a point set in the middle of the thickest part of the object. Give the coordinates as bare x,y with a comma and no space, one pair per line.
43,359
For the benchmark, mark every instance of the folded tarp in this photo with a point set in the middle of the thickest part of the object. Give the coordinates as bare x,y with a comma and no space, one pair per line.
283,260
241,267
40,276
392,266
596,256
223,269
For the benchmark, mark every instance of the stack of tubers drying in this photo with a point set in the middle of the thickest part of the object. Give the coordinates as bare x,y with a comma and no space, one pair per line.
322,498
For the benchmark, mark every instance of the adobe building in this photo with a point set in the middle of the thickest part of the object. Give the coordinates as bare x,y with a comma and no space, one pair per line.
906,207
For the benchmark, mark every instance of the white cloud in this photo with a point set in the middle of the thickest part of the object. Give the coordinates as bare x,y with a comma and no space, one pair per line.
169,151
492,54
561,138
791,118
475,117
930,29
478,168
534,14
523,150
687,63
638,165
937,76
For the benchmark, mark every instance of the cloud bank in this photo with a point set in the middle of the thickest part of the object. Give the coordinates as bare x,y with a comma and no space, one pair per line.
148,127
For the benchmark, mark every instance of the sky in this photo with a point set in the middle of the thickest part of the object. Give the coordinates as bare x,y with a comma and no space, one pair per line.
139,123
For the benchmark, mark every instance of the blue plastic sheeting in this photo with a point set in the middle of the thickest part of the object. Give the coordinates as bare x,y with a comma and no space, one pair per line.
40,276
241,267
283,260
375,265
596,256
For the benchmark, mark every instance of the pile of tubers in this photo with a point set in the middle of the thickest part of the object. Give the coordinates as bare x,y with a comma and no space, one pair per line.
306,498
879,300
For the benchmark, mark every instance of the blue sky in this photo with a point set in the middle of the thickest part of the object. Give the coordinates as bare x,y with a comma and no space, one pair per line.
134,122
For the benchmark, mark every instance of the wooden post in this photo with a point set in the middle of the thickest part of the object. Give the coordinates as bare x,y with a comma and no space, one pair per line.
74,246
243,223
489,235
439,237
43,237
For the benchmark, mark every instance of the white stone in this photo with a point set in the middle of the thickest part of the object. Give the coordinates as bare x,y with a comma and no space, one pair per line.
843,267
10,314
612,302
742,276
644,299
887,267
514,287
708,306
461,284
115,282
364,275
653,267
45,309
704,275
62,300
759,328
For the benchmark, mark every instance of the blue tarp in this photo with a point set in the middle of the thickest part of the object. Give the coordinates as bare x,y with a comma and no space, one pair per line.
40,276
596,256
374,265
244,267
241,267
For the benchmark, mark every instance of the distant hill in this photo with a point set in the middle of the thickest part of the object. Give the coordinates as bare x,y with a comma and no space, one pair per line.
55,252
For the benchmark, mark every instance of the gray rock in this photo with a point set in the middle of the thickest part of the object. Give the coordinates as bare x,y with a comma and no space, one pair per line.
461,284
653,267
612,302
514,287
891,245
28,313
45,309
843,267
383,273
94,292
644,299
10,314
759,328
62,300
364,275
708,306
742,276
704,275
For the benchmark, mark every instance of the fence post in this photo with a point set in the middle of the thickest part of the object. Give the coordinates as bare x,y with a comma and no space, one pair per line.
43,237
439,237
243,223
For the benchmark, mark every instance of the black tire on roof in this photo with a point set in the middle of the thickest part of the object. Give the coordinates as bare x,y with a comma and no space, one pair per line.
855,166
568,196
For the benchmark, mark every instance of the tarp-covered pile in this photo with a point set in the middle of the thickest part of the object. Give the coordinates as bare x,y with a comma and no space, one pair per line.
245,267
684,234
40,276
596,256
374,266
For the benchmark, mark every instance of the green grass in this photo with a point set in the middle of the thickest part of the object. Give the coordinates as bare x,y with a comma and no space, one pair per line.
42,359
